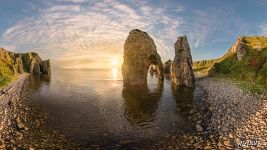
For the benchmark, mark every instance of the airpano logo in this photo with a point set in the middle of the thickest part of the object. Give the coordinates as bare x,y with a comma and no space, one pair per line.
248,143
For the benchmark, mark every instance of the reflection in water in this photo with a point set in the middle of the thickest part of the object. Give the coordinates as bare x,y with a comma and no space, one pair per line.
140,103
36,80
93,107
183,99
115,73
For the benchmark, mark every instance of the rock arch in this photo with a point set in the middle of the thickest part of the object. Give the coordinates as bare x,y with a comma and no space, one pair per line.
139,53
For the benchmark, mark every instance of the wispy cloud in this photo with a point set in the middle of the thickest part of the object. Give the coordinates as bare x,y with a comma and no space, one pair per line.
263,29
96,30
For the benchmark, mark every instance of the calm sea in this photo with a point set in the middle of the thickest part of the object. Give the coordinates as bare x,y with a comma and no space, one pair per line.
91,107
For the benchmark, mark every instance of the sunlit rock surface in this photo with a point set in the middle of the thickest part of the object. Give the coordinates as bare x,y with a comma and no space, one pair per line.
139,53
239,48
181,69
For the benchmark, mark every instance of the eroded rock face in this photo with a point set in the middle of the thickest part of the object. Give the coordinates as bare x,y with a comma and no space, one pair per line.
139,53
239,48
181,69
24,62
35,67
167,67
46,67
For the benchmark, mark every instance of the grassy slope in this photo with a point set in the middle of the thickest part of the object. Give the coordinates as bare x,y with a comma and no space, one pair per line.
6,70
252,68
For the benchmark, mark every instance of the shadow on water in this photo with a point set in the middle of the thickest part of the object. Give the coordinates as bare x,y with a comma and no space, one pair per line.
140,104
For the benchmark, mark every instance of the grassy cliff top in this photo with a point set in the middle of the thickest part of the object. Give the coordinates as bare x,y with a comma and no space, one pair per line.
256,41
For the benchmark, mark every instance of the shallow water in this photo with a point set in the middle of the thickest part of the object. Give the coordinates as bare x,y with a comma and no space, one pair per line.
92,107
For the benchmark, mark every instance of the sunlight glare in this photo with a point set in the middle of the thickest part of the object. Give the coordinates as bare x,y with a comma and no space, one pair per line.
115,73
114,62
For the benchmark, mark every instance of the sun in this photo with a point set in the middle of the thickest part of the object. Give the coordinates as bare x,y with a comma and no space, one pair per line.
115,62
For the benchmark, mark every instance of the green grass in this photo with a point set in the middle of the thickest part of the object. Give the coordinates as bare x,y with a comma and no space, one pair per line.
251,71
252,67
6,75
203,67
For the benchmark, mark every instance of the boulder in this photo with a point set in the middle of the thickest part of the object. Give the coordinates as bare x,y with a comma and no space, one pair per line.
139,54
181,69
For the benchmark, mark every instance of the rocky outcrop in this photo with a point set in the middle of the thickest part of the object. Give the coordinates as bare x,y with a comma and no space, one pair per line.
24,62
167,67
139,53
181,69
46,67
35,67
239,48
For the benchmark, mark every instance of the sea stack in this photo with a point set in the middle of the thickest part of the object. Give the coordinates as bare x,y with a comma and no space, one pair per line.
139,54
181,69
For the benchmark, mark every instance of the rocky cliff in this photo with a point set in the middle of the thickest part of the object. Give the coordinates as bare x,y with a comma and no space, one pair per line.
139,54
12,63
181,69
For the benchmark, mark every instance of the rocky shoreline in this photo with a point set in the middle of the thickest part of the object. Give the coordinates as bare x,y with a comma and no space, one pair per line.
22,123
232,119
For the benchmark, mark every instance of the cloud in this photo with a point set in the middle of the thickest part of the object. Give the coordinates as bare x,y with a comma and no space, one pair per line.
263,29
99,29
96,30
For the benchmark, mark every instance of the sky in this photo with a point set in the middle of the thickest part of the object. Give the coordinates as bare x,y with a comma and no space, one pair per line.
91,33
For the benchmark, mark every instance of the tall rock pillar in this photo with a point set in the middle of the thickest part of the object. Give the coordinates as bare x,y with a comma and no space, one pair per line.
181,69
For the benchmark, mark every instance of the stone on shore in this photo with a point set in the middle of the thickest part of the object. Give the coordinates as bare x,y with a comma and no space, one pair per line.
20,125
199,128
181,69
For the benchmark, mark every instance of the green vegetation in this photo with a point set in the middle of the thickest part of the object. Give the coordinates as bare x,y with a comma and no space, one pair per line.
6,75
251,70
204,66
